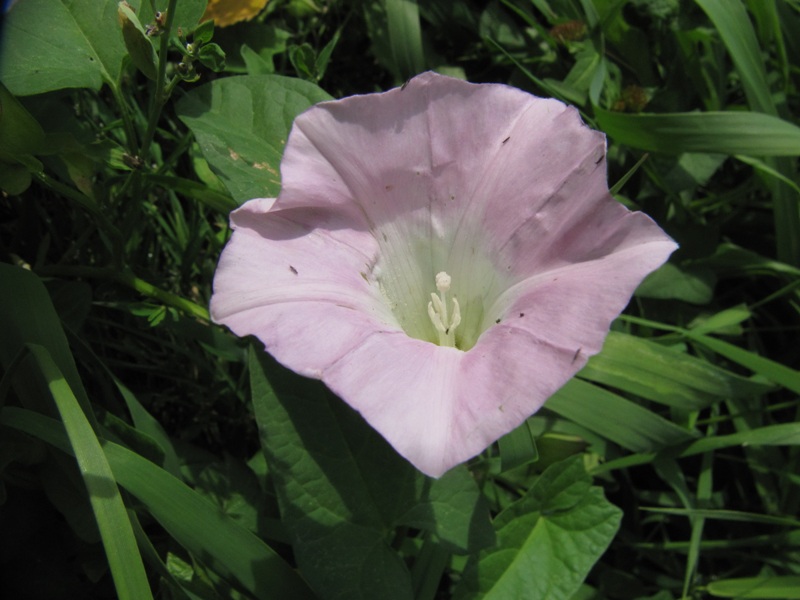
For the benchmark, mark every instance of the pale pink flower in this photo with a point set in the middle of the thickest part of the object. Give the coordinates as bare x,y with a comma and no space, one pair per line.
444,256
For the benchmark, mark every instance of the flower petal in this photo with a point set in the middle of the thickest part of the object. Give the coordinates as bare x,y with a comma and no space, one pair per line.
297,280
504,191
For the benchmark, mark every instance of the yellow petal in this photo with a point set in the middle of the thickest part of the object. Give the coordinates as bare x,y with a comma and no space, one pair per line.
228,12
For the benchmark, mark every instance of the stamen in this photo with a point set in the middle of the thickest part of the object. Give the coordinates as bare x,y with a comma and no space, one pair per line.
437,311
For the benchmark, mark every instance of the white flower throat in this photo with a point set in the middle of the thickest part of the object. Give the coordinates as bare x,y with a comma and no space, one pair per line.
444,321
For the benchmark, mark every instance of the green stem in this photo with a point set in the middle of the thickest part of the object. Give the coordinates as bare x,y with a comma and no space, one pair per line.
127,278
127,122
159,97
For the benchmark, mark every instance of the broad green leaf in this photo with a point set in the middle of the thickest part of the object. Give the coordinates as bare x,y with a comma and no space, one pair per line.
786,587
54,44
22,137
220,543
123,556
631,426
547,541
671,282
342,489
187,14
20,132
242,124
451,508
750,134
339,532
666,376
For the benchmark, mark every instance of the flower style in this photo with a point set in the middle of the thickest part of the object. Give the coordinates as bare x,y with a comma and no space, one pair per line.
444,256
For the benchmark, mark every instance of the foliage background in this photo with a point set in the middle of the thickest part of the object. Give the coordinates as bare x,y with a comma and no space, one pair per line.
145,452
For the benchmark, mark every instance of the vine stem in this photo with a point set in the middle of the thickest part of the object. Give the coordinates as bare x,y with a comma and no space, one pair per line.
127,278
159,97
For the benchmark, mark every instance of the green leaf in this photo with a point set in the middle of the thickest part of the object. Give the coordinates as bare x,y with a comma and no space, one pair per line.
338,526
671,282
212,56
187,14
342,489
324,56
242,124
137,42
786,587
55,44
204,32
20,132
303,60
547,541
751,134
123,556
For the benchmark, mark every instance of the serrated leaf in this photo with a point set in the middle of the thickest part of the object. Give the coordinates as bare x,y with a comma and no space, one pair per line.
242,124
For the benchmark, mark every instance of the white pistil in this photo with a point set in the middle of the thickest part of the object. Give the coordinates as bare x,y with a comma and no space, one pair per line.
437,311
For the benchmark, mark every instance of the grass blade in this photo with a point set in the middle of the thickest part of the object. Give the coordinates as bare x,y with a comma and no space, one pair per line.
631,426
115,528
405,37
750,134
227,547
769,369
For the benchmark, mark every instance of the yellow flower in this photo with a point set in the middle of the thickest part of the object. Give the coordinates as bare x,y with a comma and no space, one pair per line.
228,12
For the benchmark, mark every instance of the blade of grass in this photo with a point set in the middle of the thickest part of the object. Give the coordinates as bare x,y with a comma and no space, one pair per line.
786,587
774,371
727,515
746,133
405,37
734,27
115,528
221,543
631,426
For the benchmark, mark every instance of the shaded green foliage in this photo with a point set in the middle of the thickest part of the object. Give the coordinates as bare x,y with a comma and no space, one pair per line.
146,451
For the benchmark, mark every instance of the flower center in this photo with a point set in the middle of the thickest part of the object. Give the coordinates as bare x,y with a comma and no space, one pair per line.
444,322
